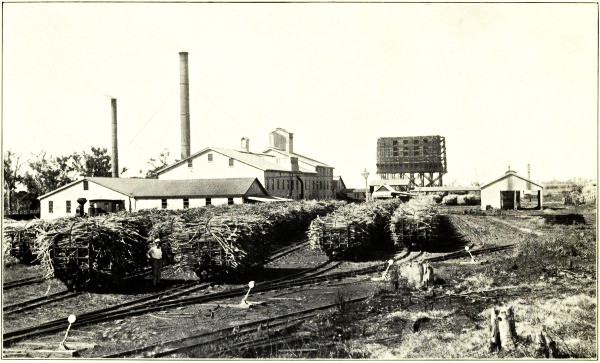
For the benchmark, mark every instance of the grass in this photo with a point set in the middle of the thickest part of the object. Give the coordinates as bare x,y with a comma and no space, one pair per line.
531,278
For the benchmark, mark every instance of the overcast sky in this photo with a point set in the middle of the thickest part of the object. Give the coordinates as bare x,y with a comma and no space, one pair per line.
506,84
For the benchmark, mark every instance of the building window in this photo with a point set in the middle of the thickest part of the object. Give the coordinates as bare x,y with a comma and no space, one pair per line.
86,185
288,184
272,184
210,158
230,161
208,201
50,206
230,201
405,141
277,184
163,203
425,140
68,206
416,141
186,203
190,163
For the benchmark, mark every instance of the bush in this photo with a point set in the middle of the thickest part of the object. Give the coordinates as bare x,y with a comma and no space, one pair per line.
450,199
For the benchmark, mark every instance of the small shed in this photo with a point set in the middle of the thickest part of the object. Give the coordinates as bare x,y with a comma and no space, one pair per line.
509,191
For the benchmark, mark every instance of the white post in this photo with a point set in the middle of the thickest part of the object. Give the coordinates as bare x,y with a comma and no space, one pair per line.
250,286
71,319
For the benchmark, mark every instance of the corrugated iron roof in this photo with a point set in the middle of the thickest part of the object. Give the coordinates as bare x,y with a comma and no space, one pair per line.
253,159
389,182
446,188
509,174
148,188
302,158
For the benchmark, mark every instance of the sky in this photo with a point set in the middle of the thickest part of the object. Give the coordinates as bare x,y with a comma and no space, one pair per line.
505,84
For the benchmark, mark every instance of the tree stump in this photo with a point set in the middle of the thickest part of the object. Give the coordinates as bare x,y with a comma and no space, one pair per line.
503,331
427,275
506,326
494,332
545,346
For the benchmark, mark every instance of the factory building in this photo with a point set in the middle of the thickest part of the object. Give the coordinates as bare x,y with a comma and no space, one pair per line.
105,195
283,172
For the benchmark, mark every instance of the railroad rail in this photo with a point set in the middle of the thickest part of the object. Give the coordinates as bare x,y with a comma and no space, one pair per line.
37,302
164,349
22,282
151,303
287,250
166,300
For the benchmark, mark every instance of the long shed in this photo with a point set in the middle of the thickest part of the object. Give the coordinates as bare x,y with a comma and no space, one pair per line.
105,195
507,192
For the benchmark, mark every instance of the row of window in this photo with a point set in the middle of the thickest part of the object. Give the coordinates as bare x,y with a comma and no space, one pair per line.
186,202
282,184
190,162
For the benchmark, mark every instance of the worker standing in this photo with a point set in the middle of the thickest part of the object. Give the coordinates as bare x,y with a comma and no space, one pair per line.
155,255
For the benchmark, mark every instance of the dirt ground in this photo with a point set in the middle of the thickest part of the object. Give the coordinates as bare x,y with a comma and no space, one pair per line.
549,278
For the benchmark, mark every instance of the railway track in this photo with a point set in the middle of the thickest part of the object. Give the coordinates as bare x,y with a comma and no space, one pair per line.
475,252
173,298
37,302
265,333
168,300
155,302
22,282
211,340
287,250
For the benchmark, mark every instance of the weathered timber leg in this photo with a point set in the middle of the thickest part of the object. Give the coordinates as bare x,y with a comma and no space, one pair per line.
546,346
506,327
427,275
494,331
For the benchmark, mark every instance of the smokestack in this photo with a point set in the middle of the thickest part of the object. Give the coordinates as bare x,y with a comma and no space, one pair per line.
115,150
528,176
184,104
246,144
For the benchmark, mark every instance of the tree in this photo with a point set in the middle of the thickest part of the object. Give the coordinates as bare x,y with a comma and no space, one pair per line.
12,176
97,163
157,163
49,173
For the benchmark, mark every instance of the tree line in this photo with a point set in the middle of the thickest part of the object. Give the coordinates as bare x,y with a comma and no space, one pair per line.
44,173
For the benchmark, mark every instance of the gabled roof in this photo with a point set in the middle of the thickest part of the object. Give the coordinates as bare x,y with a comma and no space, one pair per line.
447,189
302,158
149,188
338,179
258,161
385,188
389,182
510,173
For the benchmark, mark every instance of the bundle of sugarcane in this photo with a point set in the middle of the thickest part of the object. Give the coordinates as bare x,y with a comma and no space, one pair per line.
353,229
95,248
21,237
415,223
236,237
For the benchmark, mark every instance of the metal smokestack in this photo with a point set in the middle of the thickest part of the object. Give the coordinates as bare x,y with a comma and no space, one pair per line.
184,103
115,150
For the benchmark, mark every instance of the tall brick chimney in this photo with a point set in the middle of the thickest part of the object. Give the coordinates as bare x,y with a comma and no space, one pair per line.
115,149
184,104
